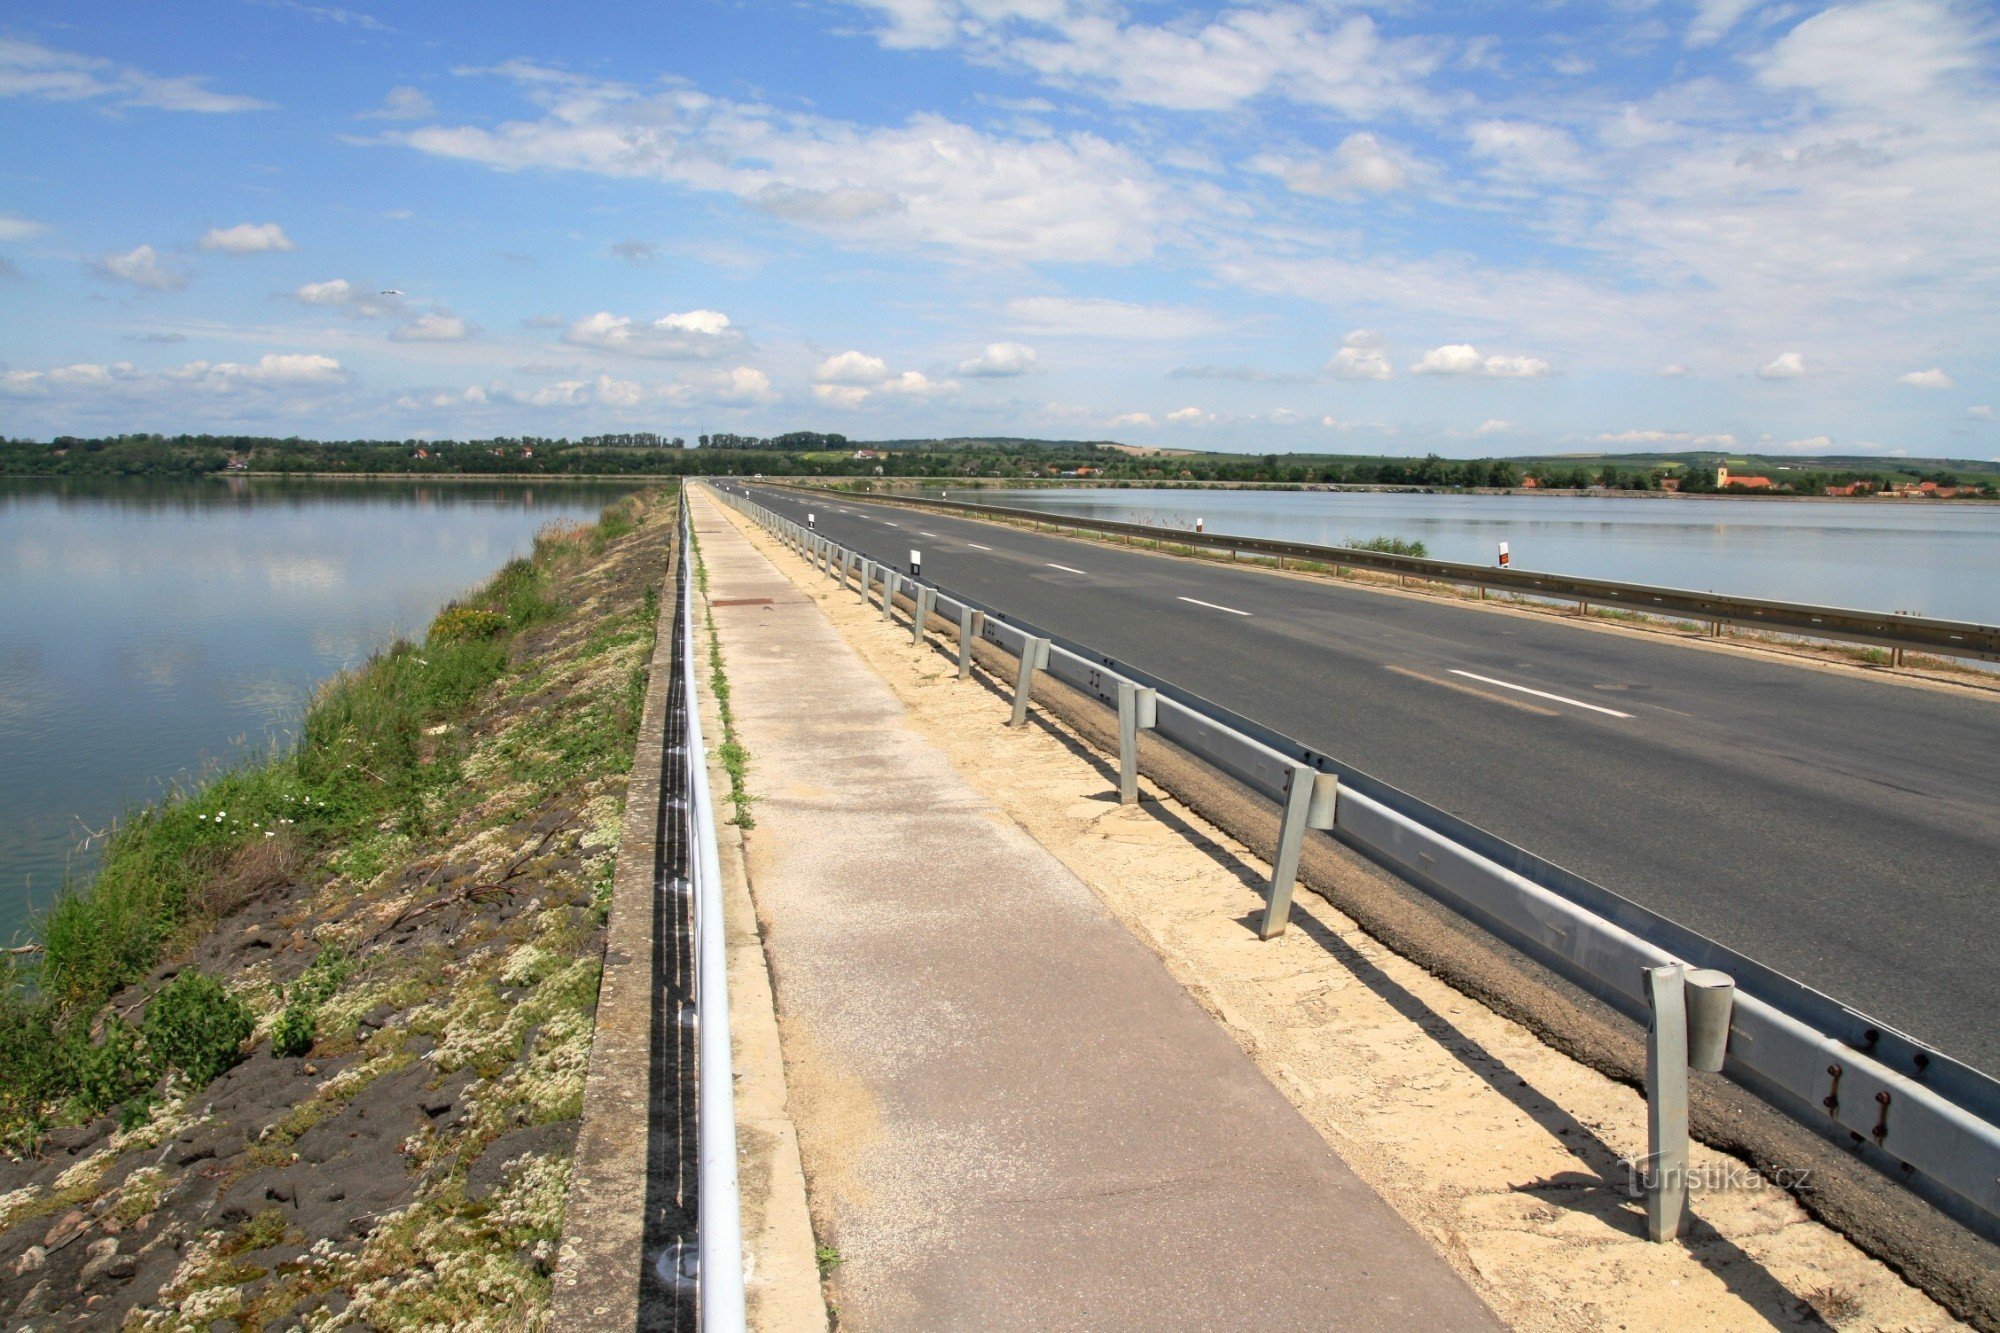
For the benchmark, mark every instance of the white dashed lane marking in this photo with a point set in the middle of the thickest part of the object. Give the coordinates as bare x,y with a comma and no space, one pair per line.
1540,694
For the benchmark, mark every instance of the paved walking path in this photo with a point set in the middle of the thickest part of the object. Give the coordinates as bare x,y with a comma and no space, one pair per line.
1012,1117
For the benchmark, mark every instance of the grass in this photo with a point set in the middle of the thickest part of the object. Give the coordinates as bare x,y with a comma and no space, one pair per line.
735,759
377,764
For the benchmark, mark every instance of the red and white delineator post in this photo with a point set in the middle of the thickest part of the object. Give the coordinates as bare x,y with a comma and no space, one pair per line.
1503,555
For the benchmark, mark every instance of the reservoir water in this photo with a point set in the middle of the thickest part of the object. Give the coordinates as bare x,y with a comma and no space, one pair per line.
1925,556
152,629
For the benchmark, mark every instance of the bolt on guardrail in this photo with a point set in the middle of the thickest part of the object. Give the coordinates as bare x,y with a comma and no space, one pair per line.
1825,1065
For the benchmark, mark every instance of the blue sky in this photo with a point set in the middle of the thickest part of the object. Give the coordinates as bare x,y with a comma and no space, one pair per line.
1474,229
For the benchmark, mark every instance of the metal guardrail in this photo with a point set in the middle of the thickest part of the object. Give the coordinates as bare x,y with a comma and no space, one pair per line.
1924,1119
718,1205
1882,629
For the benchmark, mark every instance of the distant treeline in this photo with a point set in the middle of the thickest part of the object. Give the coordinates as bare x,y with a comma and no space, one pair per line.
812,453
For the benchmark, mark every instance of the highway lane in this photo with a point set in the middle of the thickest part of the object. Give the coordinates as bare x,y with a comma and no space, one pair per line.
1842,829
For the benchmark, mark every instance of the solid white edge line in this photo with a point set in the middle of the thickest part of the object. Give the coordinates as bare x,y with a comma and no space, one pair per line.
1213,607
1539,694
1064,568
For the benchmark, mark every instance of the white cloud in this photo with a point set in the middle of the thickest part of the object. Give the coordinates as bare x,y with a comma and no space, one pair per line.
1495,426
470,396
740,387
1927,379
1299,52
840,395
403,103
1186,416
1524,148
852,368
357,301
273,371
247,238
1674,370
1714,18
1000,359
142,267
1091,317
1680,438
14,227
929,181
1360,165
1362,356
439,326
29,69
1464,359
1983,412
847,379
1881,54
1786,366
1133,419
684,336
915,384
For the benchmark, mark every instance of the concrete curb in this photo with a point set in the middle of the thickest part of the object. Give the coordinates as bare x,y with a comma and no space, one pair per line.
599,1265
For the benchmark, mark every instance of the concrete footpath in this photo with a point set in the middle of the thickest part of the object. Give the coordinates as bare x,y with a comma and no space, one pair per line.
1011,1116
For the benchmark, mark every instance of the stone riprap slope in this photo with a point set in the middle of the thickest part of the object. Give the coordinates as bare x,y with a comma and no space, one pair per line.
405,919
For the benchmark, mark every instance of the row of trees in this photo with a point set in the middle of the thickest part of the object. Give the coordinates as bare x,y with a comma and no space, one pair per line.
805,453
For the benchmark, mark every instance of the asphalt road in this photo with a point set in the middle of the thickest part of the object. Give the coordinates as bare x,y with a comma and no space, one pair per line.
1842,829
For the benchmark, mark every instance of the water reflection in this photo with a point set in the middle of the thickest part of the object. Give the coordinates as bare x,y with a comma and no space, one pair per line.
1918,556
149,628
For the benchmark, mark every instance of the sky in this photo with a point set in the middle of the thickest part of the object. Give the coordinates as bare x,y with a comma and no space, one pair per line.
1471,229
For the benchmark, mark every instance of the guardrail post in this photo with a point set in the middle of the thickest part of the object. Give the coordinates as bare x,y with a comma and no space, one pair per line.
890,580
1138,710
970,622
1310,798
1666,1173
1034,653
920,615
867,577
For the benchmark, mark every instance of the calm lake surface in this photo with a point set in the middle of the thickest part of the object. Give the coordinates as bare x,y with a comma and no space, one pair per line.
1935,558
151,629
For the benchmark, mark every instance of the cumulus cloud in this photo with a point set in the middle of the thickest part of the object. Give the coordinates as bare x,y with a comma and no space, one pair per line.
847,379
1786,366
840,395
354,299
142,267
1465,360
1360,165
1133,419
688,335
1188,416
273,371
247,238
29,69
929,181
1927,379
1000,359
852,368
1362,356
439,326
1495,426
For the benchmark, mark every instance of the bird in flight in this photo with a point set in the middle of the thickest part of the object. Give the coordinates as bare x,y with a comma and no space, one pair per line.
390,291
